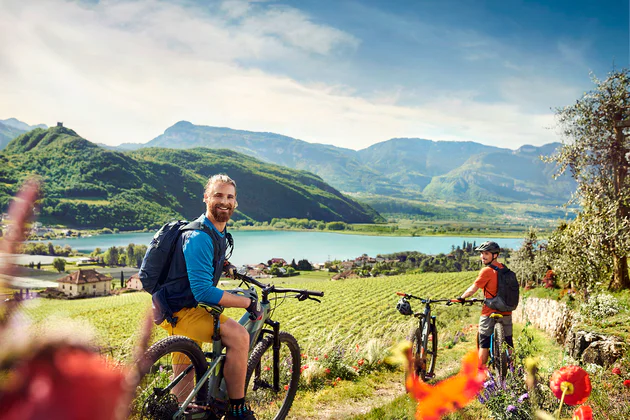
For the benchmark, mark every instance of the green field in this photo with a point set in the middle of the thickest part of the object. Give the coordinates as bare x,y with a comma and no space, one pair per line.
355,309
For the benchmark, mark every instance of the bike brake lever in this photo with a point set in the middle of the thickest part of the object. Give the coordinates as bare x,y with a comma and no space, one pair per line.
315,299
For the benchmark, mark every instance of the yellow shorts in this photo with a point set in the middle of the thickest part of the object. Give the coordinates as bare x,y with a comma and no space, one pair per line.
194,323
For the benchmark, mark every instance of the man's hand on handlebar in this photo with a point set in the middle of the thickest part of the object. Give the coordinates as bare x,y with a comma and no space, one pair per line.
255,310
229,269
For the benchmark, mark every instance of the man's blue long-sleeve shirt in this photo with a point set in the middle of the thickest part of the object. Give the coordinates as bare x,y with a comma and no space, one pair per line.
199,256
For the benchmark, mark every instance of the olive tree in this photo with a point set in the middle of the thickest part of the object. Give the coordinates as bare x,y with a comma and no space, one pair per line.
596,151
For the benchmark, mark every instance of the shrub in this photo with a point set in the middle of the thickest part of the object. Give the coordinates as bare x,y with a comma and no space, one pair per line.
600,306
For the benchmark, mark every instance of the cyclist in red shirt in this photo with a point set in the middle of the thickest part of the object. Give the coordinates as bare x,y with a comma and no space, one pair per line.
487,280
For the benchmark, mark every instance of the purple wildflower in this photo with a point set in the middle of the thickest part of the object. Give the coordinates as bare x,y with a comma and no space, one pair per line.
510,408
523,397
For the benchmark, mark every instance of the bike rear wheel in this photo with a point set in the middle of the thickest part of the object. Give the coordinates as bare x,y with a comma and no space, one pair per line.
424,366
266,400
499,352
161,391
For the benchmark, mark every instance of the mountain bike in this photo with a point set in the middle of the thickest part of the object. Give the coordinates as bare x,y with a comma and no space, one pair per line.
499,352
180,381
499,357
424,338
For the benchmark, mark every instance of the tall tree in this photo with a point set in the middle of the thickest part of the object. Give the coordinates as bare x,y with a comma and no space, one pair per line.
59,264
596,149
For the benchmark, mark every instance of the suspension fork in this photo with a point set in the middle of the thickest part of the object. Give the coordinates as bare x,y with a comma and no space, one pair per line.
426,324
276,353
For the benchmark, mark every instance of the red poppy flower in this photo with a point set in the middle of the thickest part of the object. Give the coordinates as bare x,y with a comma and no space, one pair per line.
616,371
63,383
626,383
583,412
434,401
572,382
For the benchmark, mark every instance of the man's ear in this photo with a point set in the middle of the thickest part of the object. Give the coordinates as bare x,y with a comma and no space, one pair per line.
235,204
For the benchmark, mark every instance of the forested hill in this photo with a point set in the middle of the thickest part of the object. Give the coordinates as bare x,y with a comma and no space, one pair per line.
88,186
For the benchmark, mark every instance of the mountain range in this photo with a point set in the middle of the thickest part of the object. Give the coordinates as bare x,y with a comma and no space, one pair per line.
400,167
11,128
86,185
398,175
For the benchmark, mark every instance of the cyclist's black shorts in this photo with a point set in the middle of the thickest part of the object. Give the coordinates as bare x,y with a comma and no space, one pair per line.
484,341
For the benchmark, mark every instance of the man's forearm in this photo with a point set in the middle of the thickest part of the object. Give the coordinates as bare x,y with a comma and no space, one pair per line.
230,300
469,292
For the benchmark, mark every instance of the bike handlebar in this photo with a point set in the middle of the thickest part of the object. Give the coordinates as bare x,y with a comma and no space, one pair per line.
468,302
448,301
302,294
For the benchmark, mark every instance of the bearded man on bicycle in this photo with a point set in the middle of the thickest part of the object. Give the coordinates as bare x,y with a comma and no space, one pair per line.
488,281
197,264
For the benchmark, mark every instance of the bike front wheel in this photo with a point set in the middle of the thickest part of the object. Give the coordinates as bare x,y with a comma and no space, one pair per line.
173,366
499,352
270,391
424,355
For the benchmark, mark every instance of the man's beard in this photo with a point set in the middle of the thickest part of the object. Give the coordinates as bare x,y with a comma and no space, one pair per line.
221,216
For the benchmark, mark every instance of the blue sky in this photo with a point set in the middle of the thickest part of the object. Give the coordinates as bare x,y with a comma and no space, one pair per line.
348,73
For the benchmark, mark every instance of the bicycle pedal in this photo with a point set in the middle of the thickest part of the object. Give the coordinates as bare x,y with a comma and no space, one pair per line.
429,375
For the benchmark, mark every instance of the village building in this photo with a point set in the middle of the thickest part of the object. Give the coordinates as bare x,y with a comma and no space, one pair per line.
280,261
134,282
347,265
85,283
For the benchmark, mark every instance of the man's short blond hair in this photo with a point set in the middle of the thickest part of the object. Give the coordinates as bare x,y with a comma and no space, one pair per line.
219,178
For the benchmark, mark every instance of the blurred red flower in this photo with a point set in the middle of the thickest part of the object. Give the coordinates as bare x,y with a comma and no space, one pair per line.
626,383
616,371
583,412
63,383
449,395
572,382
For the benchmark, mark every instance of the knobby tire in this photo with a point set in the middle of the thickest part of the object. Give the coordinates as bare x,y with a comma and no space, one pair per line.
499,353
265,401
149,403
424,369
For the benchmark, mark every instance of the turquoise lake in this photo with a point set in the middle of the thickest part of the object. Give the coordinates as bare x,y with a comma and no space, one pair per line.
252,247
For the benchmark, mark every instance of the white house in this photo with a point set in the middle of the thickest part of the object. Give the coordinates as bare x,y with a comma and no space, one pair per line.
85,283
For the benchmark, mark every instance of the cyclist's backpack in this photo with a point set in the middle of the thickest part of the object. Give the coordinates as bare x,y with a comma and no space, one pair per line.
506,299
157,260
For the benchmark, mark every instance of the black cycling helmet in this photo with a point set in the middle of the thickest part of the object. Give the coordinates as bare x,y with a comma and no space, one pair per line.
489,246
404,307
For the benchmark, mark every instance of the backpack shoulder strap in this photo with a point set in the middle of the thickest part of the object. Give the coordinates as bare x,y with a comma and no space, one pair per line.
496,269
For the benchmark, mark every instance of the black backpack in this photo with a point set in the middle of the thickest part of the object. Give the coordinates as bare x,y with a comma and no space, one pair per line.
506,299
157,260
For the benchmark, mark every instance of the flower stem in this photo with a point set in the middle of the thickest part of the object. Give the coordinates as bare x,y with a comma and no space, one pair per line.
561,402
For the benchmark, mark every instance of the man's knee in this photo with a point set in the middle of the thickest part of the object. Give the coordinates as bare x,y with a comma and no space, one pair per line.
234,335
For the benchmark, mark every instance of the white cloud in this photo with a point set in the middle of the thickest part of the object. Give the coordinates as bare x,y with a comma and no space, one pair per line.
124,71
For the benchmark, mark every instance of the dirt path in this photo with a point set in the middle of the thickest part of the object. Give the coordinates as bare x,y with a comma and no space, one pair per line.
345,408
